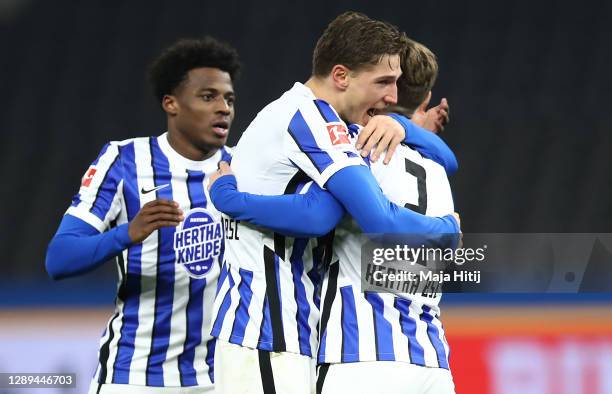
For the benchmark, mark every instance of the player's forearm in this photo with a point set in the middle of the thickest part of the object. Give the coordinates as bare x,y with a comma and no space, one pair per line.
362,197
296,215
78,248
428,144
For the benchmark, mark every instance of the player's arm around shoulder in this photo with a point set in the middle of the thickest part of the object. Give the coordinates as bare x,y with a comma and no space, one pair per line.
312,213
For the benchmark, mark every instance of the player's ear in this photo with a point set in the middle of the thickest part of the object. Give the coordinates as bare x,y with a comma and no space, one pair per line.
340,75
170,105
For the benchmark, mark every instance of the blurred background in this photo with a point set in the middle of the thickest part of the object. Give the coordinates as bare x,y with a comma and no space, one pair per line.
528,84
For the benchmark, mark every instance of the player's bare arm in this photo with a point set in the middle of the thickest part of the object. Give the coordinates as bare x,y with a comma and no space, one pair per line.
153,216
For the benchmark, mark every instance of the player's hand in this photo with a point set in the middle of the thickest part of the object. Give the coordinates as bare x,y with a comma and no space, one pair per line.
153,216
224,169
434,119
460,243
381,133
456,215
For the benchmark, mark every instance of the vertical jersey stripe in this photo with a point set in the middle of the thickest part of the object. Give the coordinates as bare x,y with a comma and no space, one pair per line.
434,337
274,302
382,328
195,310
242,314
303,309
330,295
195,306
265,331
350,330
409,328
107,190
125,347
228,282
165,275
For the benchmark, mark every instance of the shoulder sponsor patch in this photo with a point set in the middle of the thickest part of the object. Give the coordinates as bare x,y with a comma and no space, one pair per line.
198,242
86,181
337,133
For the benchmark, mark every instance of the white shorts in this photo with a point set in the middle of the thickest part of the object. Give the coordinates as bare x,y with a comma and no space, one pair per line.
242,370
96,388
379,377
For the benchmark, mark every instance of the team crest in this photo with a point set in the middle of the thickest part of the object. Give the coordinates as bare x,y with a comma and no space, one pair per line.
198,242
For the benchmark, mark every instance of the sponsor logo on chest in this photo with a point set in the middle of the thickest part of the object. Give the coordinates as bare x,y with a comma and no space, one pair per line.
198,242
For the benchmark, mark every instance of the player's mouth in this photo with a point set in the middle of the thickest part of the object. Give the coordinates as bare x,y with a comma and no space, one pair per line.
368,115
221,128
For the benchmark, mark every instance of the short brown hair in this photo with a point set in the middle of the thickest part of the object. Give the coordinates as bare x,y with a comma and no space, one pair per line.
354,40
420,71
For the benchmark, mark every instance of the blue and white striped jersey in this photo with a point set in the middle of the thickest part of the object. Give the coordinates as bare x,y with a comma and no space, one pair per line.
159,334
371,326
267,298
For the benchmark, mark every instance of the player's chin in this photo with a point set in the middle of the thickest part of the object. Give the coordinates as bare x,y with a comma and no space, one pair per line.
365,118
213,141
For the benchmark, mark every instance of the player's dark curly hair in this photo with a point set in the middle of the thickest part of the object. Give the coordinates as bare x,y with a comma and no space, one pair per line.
170,69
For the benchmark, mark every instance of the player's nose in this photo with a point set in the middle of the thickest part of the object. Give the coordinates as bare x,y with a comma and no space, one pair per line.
224,106
391,96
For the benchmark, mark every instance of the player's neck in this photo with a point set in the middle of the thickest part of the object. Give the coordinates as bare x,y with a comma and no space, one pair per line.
323,91
188,150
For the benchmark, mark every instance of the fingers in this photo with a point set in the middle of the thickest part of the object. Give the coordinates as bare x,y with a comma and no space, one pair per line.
173,218
152,210
364,134
384,134
443,116
153,216
391,149
445,107
383,144
161,202
168,210
374,139
456,215
224,167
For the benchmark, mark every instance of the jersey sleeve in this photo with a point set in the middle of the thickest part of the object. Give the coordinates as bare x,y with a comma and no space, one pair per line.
313,212
78,247
98,201
317,142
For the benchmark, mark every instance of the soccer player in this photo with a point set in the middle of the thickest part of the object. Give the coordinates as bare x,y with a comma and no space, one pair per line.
266,311
389,342
143,201
370,342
